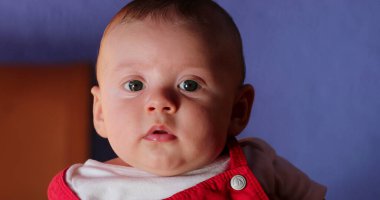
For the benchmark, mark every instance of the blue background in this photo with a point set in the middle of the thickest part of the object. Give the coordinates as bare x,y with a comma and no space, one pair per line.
315,65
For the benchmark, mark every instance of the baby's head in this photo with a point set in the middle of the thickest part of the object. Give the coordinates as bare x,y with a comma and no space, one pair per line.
171,90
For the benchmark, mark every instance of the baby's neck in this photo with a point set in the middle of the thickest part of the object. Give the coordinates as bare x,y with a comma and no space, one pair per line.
117,161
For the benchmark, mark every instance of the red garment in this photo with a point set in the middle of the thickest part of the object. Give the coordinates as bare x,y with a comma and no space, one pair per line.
217,187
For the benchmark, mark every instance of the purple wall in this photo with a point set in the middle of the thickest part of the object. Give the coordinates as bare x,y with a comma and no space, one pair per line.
315,66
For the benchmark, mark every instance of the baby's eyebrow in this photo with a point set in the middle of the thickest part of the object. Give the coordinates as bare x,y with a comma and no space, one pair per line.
122,66
121,70
125,67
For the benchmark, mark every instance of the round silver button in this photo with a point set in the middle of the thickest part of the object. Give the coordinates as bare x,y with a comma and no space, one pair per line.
238,182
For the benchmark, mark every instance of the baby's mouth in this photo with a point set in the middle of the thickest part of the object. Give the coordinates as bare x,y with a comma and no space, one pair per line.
159,134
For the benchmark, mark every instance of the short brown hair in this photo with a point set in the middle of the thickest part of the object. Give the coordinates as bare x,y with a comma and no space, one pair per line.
193,11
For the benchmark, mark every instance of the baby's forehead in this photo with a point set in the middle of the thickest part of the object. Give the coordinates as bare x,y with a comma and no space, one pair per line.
218,34
145,34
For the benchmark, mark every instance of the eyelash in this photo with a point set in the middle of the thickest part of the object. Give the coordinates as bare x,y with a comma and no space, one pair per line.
187,85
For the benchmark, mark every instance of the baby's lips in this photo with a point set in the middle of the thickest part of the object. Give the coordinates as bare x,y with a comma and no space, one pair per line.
160,137
159,133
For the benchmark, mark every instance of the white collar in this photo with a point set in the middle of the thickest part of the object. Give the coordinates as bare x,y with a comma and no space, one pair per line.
98,180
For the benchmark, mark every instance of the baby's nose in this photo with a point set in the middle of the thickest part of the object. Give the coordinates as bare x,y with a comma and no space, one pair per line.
160,108
162,102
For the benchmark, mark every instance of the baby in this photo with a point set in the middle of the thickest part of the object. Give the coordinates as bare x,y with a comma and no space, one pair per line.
171,98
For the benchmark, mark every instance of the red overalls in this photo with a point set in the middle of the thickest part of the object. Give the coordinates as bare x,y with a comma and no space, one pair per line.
237,182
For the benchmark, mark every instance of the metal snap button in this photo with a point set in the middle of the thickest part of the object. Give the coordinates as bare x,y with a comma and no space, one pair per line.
238,182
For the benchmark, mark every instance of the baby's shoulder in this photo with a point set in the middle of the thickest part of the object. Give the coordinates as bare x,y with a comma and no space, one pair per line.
279,178
257,147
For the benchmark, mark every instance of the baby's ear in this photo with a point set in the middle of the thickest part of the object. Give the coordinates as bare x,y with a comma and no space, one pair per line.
97,112
242,109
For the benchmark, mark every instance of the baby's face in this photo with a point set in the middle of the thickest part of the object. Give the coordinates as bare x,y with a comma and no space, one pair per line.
165,96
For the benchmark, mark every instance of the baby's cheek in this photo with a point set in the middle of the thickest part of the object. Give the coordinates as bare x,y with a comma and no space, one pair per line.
220,113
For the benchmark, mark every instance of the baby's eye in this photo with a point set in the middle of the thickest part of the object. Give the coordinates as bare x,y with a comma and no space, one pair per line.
189,85
134,85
